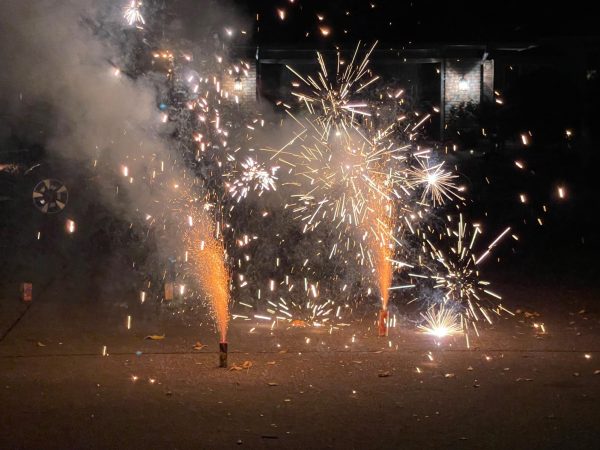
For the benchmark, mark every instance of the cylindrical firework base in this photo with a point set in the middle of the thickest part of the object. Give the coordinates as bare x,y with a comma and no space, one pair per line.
383,323
223,354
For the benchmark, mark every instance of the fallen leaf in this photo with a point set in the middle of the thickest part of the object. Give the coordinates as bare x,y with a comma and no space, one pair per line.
155,337
272,384
449,375
383,374
199,346
246,364
271,363
39,344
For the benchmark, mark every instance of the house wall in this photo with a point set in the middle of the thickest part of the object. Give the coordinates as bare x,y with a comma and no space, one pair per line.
248,92
462,83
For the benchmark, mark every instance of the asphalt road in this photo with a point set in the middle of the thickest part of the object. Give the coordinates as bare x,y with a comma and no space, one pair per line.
516,387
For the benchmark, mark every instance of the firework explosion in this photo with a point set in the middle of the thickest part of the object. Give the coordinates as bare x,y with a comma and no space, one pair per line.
459,277
331,99
254,177
132,13
353,168
440,322
437,184
371,184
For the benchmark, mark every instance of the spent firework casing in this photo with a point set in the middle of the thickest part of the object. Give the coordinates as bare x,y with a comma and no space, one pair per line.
26,292
169,288
222,354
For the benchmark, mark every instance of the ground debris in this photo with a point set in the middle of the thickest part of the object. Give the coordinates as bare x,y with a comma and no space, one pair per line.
271,383
155,337
449,375
41,344
199,346
245,365
384,374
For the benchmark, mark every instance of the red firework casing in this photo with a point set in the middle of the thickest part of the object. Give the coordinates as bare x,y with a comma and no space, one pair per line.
383,325
26,292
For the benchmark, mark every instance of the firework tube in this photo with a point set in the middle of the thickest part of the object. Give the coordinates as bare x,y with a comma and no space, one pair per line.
383,323
223,354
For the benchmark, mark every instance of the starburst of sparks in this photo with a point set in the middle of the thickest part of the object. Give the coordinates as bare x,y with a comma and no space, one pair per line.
132,13
254,177
459,277
437,183
330,94
440,321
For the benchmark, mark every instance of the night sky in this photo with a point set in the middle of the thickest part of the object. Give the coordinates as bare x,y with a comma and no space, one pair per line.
419,22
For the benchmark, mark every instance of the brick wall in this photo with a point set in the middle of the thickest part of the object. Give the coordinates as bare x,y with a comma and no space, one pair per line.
462,83
248,92
487,91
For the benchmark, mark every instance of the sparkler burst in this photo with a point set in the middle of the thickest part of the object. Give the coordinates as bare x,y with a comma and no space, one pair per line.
437,183
440,321
459,277
254,177
132,13
330,96
341,178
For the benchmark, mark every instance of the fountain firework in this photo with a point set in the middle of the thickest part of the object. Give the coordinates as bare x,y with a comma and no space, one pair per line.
208,259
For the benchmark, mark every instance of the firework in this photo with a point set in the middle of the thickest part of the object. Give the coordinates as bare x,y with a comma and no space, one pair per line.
341,178
207,256
253,177
330,97
460,279
438,184
132,13
440,321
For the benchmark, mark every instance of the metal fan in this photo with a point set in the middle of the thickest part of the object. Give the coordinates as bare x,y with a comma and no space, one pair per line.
50,196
